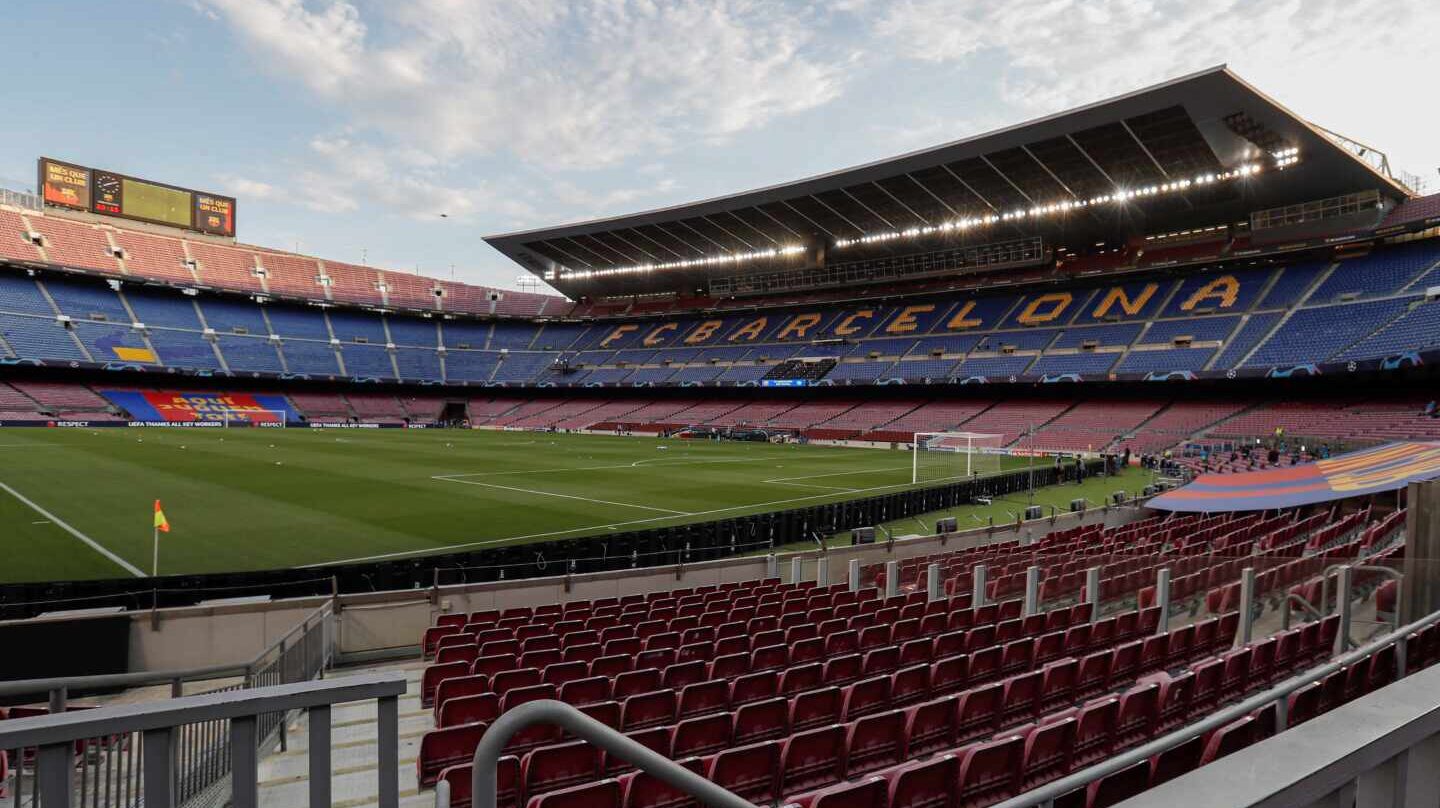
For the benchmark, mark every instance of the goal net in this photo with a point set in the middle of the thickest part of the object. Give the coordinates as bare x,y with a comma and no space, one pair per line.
941,456
271,419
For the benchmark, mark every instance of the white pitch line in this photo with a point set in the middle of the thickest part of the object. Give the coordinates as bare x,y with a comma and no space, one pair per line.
563,496
126,565
511,539
666,461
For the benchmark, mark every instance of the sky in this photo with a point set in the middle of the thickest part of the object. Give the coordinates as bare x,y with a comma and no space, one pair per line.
401,133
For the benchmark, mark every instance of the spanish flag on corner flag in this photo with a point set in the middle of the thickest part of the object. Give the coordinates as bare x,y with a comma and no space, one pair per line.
160,522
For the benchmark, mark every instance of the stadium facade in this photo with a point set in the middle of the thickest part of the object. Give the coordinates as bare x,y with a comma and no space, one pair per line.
1187,264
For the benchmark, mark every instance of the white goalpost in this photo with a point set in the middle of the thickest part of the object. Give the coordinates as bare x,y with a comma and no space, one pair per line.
940,456
270,419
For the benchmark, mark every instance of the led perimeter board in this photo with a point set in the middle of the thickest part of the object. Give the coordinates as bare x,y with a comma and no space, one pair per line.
112,194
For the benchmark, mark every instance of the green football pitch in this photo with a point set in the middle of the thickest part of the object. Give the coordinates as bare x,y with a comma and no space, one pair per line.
77,503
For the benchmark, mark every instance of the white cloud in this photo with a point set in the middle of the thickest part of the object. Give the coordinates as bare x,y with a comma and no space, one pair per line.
1326,58
245,187
566,84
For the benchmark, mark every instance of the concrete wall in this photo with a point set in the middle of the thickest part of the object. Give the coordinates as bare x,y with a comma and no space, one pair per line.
225,634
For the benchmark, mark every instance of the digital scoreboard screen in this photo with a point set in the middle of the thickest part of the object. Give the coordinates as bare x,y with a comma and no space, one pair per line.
112,194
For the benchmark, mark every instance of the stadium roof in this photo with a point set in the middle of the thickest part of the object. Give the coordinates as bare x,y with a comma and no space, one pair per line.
1199,150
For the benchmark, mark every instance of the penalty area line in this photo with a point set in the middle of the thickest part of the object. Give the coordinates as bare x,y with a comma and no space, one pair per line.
94,545
670,511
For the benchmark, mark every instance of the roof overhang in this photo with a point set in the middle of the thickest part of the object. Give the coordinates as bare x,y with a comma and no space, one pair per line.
1205,124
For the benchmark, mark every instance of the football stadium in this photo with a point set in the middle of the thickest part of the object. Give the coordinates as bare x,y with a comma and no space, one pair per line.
1093,460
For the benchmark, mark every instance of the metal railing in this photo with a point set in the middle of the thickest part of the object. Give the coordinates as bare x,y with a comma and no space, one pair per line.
107,774
1277,695
546,711
155,754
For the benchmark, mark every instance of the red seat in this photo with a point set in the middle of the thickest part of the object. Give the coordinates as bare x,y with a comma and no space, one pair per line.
656,739
563,672
751,772
842,670
1228,739
753,687
641,790
611,666
930,726
800,678
450,746
1135,722
729,666
989,772
1176,760
1047,753
493,664
635,682
550,768
1094,674
1235,678
1175,701
468,709
456,686
762,721
985,664
1113,789
507,783
866,697
704,697
978,711
1021,699
1057,687
874,742
680,674
539,660
590,690
606,712
505,681
465,652
701,736
949,674
909,686
930,784
870,792
646,710
1303,704
812,758
599,794
434,675
815,708
1094,735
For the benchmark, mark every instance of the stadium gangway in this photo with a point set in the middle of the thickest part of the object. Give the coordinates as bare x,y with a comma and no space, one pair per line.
484,779
158,724
301,654
1359,756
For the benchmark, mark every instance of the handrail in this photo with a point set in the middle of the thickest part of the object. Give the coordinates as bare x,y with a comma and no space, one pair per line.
549,711
20,687
1058,788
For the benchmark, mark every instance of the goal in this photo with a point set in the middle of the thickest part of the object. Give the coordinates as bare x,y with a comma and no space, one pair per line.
940,456
270,419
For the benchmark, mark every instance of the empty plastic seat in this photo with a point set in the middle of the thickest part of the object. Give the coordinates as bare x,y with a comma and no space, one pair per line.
751,772
656,739
460,686
435,674
989,772
549,768
1094,733
704,697
866,697
468,710
928,784
446,747
1229,739
874,742
762,721
645,710
815,708
635,682
590,690
1020,701
1115,788
871,792
701,736
1047,753
978,711
1135,722
812,758
753,687
800,678
1176,760
930,726
599,794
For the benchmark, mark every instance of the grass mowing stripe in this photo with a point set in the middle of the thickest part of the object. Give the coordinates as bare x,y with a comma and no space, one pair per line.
96,546
449,479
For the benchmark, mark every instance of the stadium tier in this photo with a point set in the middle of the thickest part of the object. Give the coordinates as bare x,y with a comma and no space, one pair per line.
805,694
1372,306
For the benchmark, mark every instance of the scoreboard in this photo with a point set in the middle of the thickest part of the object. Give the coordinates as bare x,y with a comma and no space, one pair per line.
111,194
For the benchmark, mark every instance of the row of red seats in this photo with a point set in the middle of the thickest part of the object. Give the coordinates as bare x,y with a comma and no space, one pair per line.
1022,757
950,673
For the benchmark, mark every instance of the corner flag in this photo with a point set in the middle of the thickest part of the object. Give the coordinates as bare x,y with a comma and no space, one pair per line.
162,525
